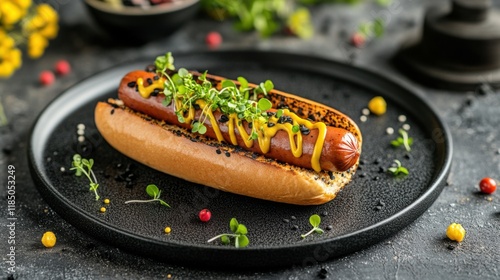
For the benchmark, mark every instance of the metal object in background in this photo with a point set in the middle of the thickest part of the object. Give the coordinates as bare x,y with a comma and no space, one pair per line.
459,48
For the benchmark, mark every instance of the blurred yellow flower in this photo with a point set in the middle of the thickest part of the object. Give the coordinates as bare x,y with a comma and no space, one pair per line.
10,13
36,45
47,13
24,24
49,31
24,4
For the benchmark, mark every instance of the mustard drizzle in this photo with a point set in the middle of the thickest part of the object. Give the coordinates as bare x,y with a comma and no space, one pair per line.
265,133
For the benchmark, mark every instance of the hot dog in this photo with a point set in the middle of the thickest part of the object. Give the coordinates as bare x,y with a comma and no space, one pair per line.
275,154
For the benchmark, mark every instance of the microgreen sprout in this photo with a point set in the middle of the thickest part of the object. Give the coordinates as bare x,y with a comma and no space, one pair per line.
398,169
154,193
314,220
239,234
84,166
184,90
403,140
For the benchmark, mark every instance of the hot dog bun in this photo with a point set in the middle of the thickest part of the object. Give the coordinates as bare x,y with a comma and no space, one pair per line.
177,151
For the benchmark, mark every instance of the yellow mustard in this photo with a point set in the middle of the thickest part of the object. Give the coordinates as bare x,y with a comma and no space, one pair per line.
265,133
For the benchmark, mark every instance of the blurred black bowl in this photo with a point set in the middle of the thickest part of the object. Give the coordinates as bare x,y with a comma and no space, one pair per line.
137,25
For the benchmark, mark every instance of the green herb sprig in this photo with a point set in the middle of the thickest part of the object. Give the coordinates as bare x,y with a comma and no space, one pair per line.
239,234
403,140
314,220
84,166
248,103
398,169
154,193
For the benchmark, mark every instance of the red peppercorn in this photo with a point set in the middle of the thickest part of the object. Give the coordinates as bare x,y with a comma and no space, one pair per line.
205,215
46,78
213,39
488,185
358,40
62,67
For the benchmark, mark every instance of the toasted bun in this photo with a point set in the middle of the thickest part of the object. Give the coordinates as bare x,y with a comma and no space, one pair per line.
176,151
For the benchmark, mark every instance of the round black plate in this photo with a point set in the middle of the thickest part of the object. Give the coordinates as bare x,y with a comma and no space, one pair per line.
372,207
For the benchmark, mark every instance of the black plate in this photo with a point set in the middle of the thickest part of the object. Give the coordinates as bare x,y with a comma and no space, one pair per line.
372,207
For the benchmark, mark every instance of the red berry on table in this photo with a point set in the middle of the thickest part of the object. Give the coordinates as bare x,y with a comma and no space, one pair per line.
46,78
488,185
358,40
213,39
62,67
205,215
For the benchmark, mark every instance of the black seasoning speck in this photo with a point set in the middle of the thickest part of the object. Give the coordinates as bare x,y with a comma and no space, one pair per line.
360,167
332,177
362,161
381,169
155,92
270,124
149,80
295,227
376,178
218,151
330,227
150,68
407,156
362,175
304,130
322,274
250,124
196,106
286,220
223,118
324,213
451,247
156,78
131,84
112,111
377,161
270,114
227,154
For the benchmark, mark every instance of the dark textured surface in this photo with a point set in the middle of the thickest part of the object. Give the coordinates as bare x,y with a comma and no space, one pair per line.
353,216
420,251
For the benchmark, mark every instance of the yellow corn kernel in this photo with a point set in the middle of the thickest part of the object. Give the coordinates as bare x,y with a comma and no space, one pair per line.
103,209
49,239
106,201
455,232
168,230
377,105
